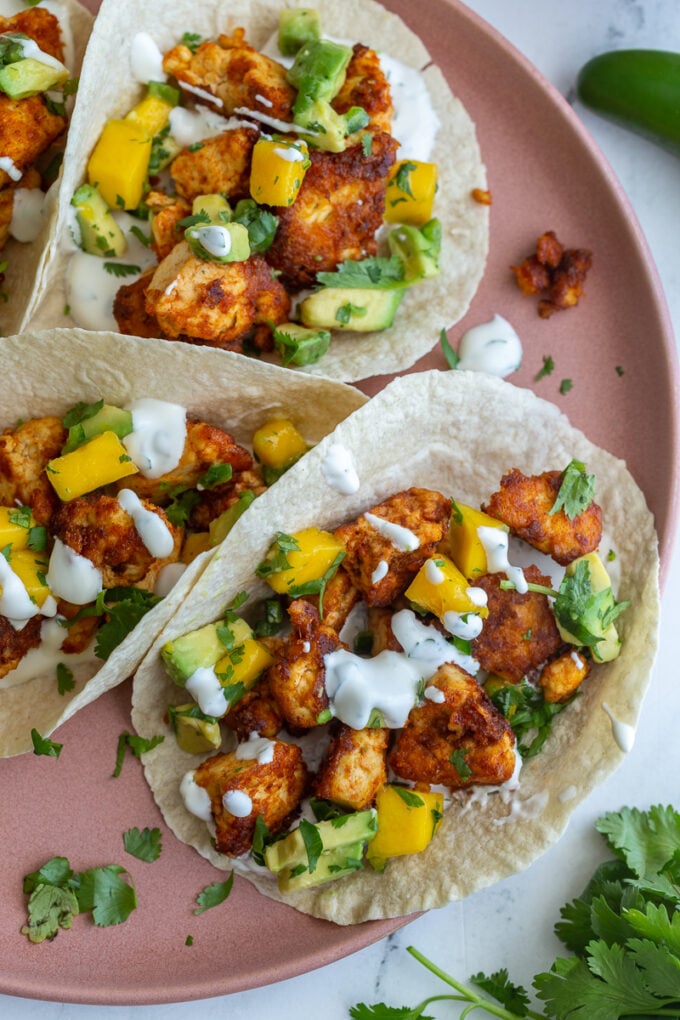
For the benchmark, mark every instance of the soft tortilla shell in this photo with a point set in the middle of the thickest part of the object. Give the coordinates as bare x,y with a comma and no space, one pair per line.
27,260
431,306
457,432
52,370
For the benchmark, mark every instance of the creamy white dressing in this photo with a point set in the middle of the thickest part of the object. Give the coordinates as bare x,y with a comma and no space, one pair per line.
492,347
11,169
237,803
381,571
151,528
524,810
433,573
28,206
290,154
477,596
71,576
466,626
577,660
284,126
188,127
428,645
215,239
495,543
261,749
415,122
338,470
168,576
196,798
206,689
42,660
435,695
201,93
15,602
401,538
146,59
31,51
263,100
623,733
156,443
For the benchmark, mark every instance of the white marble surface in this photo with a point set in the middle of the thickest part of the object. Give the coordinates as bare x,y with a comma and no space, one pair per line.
511,924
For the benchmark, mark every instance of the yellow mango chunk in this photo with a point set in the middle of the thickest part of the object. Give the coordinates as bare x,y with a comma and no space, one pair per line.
11,531
407,821
119,163
101,461
277,170
278,444
245,661
151,114
467,551
440,588
410,192
194,545
31,567
316,550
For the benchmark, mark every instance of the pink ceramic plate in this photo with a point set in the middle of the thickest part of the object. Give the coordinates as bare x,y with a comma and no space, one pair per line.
544,174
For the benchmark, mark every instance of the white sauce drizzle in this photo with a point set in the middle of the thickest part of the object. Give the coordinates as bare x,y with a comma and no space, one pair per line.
237,803
215,239
15,602
434,694
623,733
158,435
146,59
205,688
495,542
11,169
382,570
338,470
168,576
71,576
264,100
432,572
188,127
152,529
41,660
31,51
201,93
524,810
401,538
463,625
256,747
492,347
477,596
415,122
196,798
290,154
27,214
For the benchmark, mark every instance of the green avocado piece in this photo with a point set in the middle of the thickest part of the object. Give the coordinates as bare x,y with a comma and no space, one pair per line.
297,26
195,732
318,71
298,345
331,865
107,419
215,207
351,308
99,233
219,242
321,125
182,656
30,77
335,833
418,249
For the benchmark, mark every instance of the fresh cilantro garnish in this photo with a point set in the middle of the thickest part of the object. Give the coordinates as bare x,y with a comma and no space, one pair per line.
145,845
262,837
181,505
345,312
565,386
451,356
577,490
37,538
192,220
124,608
297,348
271,619
367,144
363,642
65,681
457,759
402,178
20,516
102,890
189,940
214,894
137,746
584,613
326,810
6,551
548,367
318,585
45,746
143,238
217,474
619,370
192,40
529,714
260,224
121,269
311,837
409,797
373,273
80,412
277,557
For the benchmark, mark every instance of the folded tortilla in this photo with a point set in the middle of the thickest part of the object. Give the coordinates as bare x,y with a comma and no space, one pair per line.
457,432
53,370
27,260
427,307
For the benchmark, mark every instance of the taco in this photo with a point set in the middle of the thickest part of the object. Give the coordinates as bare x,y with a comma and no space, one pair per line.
41,50
426,447
307,223
100,519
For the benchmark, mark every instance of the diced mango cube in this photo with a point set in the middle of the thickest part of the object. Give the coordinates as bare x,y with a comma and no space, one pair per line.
278,444
245,660
151,114
119,162
308,559
14,527
101,461
276,171
466,548
194,545
410,192
407,821
31,568
440,588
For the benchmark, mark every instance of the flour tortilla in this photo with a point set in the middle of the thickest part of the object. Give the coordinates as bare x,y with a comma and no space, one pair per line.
26,260
426,308
53,370
457,432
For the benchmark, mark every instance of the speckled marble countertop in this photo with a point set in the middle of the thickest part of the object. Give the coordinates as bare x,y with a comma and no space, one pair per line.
510,925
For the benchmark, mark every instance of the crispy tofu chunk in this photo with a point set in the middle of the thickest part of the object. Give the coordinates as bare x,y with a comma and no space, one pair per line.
425,516
338,209
256,712
380,626
167,211
129,308
365,85
524,503
27,128
232,71
14,644
520,631
38,24
222,305
297,677
274,790
339,598
354,767
562,677
221,166
24,453
466,722
215,501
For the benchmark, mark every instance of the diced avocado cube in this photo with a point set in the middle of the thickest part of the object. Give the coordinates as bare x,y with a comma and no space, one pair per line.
99,232
223,242
298,345
215,207
296,27
335,833
182,656
222,525
29,77
418,249
349,308
330,866
319,70
107,419
194,731
593,626
323,127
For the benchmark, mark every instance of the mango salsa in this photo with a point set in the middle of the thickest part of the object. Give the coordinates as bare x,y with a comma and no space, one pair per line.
466,548
14,527
410,192
278,444
31,567
245,661
151,114
440,588
119,162
294,560
101,461
277,170
407,821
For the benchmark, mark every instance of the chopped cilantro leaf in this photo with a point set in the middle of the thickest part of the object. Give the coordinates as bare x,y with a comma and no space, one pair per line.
121,269
345,312
217,474
81,412
318,586
260,224
402,178
214,894
565,386
619,370
547,369
277,557
452,358
20,516
65,680
137,745
102,890
145,845
192,40
311,837
44,746
37,538
409,797
457,759
529,714
373,273
124,608
576,492
189,940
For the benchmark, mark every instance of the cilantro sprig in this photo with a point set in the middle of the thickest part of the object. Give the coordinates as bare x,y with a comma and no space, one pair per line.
577,490
375,272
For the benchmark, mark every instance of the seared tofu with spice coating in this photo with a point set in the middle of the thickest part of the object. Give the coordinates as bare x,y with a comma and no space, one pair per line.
354,767
166,212
524,503
338,209
256,712
520,632
339,598
40,25
213,502
218,166
27,128
96,526
423,513
297,677
219,304
365,85
235,73
274,791
562,677
24,453
464,725
129,308
14,644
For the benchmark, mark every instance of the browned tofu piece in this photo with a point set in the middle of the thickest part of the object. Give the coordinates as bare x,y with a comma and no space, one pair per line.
520,631
38,24
354,767
256,712
465,722
15,643
339,598
524,502
380,626
167,211
274,789
96,526
338,209
219,304
562,677
365,85
235,73
129,308
27,128
79,634
213,502
297,677
24,453
221,166
422,512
